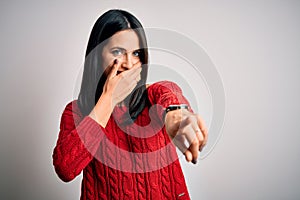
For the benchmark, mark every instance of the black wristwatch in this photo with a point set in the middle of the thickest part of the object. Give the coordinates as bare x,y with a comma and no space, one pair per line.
176,107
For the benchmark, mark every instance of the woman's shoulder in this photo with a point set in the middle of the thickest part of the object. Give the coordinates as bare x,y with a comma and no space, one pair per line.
71,104
162,86
72,107
164,93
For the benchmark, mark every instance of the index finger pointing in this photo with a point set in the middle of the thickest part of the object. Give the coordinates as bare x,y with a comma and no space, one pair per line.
203,129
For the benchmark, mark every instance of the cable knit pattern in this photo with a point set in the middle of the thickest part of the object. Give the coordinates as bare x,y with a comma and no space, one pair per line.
84,146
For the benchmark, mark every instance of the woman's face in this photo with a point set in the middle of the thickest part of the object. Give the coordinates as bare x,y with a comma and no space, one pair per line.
123,46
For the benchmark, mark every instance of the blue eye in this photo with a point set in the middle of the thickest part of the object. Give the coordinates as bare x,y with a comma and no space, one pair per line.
136,53
117,52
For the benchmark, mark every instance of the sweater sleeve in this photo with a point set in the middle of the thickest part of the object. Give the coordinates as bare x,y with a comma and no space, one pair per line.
78,141
165,93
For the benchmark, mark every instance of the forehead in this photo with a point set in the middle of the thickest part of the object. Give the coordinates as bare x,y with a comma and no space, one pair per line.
126,39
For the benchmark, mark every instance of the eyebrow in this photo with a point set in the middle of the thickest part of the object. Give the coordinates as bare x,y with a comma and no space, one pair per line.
123,49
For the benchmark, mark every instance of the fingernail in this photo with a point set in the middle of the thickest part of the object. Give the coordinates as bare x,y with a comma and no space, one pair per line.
194,161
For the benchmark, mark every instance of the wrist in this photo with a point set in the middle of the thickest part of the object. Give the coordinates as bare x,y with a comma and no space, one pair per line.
174,109
107,99
102,110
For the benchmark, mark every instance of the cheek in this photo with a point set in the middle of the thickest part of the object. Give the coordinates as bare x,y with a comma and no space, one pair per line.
106,60
136,59
133,59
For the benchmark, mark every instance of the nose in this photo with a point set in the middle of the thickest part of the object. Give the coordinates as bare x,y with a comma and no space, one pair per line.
128,60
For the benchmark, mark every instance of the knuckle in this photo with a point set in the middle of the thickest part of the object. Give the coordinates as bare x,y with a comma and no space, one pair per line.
195,142
189,119
201,140
138,63
180,132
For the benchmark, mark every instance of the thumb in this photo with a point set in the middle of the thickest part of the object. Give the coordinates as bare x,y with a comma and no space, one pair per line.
114,69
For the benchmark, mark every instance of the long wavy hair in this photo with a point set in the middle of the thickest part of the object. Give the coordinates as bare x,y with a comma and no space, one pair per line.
94,78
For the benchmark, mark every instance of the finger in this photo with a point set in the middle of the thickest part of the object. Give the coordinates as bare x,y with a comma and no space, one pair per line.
131,86
194,149
179,142
128,89
135,74
204,131
200,139
188,155
132,76
191,137
198,133
114,69
138,64
132,80
137,77
128,77
134,71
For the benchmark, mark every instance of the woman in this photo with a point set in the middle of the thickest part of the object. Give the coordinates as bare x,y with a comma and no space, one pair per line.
121,132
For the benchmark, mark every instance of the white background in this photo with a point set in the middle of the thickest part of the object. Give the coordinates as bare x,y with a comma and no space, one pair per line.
254,45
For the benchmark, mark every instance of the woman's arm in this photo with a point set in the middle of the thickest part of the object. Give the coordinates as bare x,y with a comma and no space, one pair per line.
78,138
181,125
116,88
102,110
165,93
77,142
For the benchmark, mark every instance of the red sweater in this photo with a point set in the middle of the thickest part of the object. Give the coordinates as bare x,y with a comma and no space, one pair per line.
136,161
